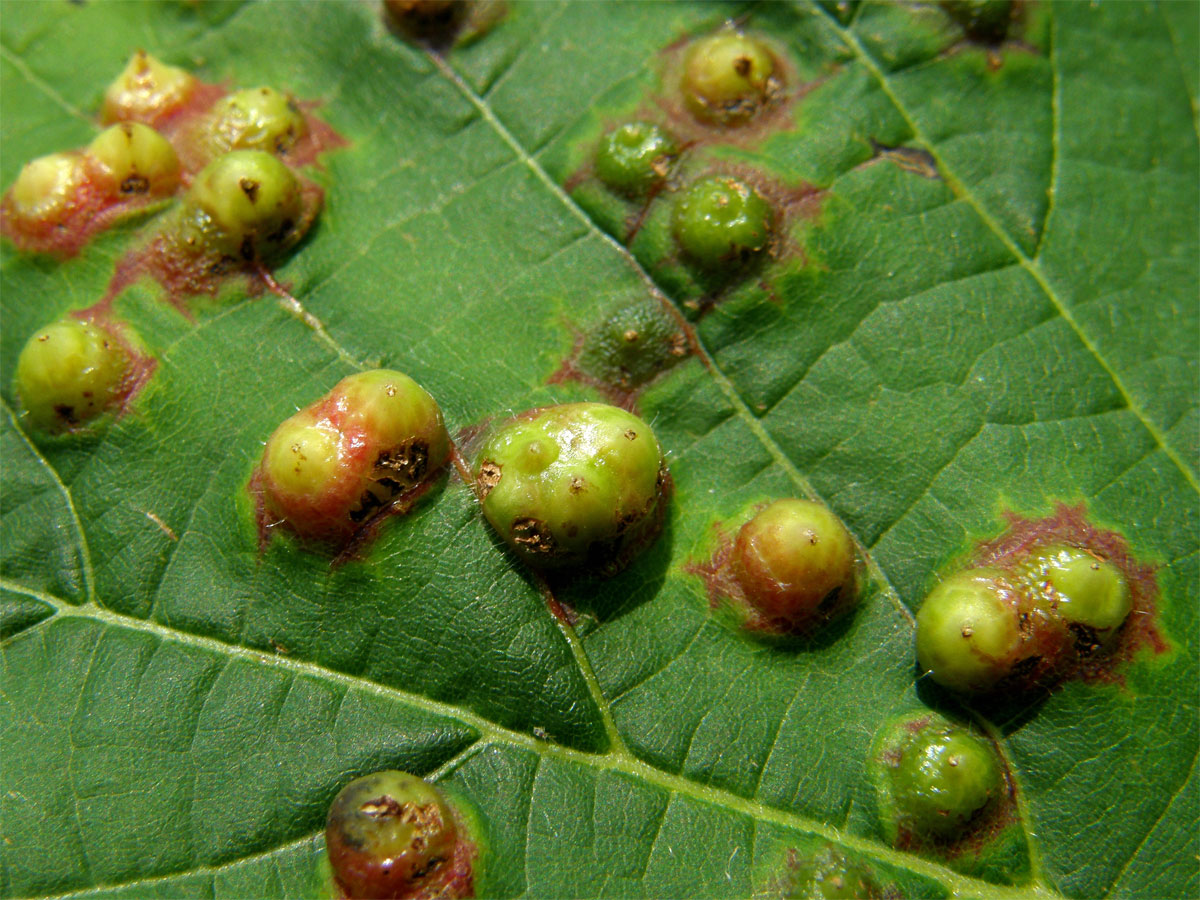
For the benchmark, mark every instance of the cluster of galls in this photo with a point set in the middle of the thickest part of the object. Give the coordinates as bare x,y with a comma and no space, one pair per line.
581,484
720,222
244,205
985,630
392,836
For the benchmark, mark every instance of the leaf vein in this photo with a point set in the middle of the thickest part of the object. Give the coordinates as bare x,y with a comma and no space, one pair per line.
1030,265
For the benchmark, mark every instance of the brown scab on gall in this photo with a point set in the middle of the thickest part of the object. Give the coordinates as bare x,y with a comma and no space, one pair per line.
489,477
533,536
408,461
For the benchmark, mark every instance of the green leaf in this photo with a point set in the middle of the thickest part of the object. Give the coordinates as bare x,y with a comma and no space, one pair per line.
984,302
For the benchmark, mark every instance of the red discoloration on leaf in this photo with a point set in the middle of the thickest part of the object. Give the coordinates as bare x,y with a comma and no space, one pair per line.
321,137
96,204
183,273
717,575
1069,525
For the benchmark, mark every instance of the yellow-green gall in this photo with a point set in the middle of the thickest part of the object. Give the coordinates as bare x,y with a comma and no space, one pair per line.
968,630
728,77
136,159
245,204
1086,589
581,484
146,91
46,187
69,373
259,118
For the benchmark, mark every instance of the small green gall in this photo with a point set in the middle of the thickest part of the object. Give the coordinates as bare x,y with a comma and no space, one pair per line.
632,346
136,159
635,157
581,484
256,119
985,21
795,563
728,77
968,631
1088,590
245,204
721,222
146,91
391,835
69,373
46,187
827,875
375,437
944,778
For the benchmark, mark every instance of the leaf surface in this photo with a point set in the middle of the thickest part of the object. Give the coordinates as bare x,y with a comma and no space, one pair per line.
986,303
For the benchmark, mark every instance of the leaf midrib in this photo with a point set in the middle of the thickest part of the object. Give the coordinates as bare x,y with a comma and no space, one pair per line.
490,733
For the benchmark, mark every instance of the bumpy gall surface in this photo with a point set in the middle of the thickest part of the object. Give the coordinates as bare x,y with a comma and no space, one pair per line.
632,346
968,630
374,438
635,157
827,875
146,91
246,205
581,484
944,777
794,561
728,77
135,159
391,835
69,373
721,222
256,119
46,187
